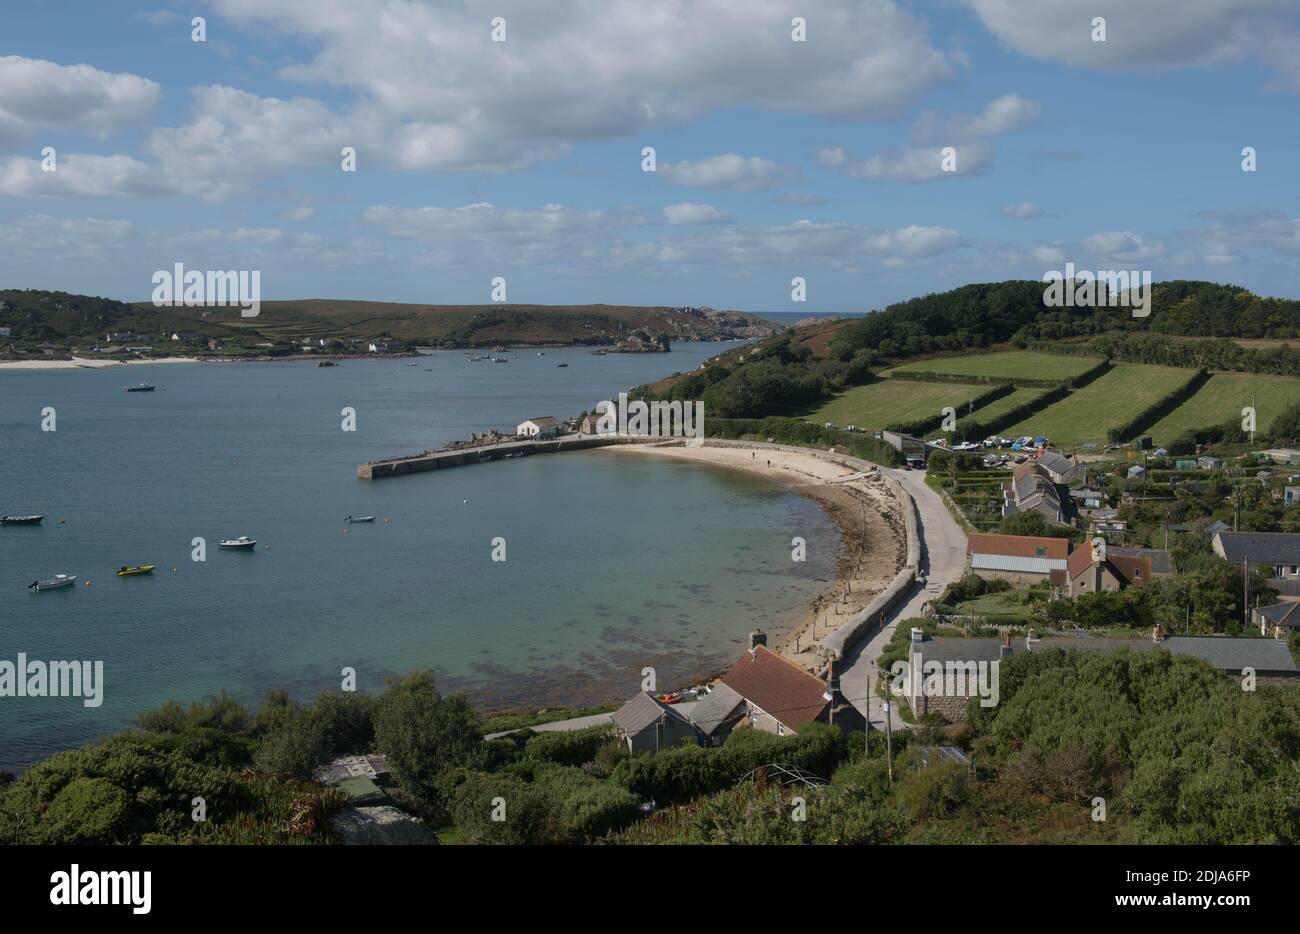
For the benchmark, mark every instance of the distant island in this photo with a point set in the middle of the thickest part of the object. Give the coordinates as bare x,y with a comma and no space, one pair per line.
36,323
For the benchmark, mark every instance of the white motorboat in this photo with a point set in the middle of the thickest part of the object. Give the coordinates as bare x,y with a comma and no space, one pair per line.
242,542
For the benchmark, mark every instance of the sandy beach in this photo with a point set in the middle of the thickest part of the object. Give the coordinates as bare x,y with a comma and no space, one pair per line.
870,518
86,363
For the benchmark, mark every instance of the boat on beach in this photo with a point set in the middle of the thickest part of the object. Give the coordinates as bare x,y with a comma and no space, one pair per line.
54,583
129,571
243,542
21,520
355,519
143,387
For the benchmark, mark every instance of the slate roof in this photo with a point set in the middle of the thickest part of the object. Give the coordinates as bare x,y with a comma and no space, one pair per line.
716,708
777,686
1162,562
643,711
1283,613
1260,547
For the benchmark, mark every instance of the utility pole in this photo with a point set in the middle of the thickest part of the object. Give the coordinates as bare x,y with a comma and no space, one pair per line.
889,741
1245,591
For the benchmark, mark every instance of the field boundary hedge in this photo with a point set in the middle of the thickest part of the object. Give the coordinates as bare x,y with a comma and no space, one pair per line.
922,426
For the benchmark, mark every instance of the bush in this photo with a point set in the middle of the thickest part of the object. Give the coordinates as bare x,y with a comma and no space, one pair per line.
569,747
424,733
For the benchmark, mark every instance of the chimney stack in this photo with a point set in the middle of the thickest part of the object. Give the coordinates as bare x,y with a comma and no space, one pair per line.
757,638
918,636
1005,648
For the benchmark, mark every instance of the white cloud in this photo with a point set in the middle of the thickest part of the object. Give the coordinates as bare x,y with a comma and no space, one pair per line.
727,171
1003,115
429,74
1123,245
70,236
909,164
1150,34
78,175
36,94
1022,210
688,213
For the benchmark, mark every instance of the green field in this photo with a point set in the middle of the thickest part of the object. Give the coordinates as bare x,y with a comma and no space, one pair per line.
998,407
1012,364
1223,398
1107,402
876,405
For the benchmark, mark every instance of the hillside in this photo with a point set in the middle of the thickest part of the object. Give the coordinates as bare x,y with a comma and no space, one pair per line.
61,318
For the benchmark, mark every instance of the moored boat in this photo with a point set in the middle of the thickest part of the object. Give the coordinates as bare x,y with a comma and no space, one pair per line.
352,519
21,520
143,387
127,571
54,583
242,542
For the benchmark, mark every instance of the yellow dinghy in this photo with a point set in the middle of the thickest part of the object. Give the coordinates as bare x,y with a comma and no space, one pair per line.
131,572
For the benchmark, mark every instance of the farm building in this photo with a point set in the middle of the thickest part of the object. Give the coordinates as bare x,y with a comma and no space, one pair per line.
1021,559
1059,469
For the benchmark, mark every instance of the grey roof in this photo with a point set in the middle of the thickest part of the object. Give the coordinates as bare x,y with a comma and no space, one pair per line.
1057,463
1281,613
715,708
986,562
1162,562
1261,547
1226,653
643,711
954,649
1233,653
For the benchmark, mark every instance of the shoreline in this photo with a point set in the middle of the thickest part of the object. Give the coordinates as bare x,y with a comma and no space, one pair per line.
87,363
873,538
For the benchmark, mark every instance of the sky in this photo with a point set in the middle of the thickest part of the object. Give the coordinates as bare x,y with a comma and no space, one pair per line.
790,140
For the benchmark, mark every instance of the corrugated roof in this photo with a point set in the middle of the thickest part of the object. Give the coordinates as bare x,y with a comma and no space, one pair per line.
1014,563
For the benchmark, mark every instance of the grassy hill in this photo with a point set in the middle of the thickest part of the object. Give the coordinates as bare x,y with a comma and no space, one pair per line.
62,318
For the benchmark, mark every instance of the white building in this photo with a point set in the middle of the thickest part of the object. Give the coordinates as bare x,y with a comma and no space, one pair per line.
544,427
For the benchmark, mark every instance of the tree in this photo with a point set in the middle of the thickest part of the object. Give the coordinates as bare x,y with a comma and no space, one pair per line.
424,734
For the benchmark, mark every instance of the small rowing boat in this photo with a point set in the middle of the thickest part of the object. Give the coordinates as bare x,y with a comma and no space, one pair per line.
54,583
353,519
125,571
243,542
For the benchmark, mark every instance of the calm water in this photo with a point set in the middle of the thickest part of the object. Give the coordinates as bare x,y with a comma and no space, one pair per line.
613,562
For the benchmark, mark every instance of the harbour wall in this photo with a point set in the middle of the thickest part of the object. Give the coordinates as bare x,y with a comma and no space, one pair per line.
459,457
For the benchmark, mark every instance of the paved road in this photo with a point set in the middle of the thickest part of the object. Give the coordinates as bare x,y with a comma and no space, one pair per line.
943,557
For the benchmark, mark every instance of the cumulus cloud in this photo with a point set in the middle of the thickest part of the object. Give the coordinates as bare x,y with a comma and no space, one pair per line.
728,171
451,98
1003,115
688,213
36,94
909,164
78,175
1151,34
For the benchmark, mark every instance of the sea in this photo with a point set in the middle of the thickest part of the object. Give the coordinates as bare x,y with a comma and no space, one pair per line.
613,563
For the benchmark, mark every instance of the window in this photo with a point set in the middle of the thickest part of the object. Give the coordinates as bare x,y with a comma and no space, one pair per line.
1040,551
1137,572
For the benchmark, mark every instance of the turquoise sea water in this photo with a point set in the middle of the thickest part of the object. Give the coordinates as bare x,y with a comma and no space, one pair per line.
614,562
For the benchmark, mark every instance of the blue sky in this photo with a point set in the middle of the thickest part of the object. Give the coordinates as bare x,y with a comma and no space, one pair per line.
522,159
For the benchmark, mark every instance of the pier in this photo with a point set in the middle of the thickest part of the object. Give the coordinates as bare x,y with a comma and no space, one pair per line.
459,457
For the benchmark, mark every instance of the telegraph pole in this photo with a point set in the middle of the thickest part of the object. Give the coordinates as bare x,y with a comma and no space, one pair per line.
889,741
